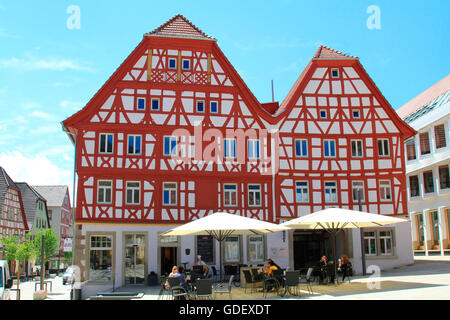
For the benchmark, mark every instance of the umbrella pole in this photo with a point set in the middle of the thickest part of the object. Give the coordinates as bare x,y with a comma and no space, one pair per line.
220,253
335,260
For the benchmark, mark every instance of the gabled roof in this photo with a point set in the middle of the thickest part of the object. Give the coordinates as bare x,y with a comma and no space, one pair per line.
54,195
179,27
5,183
425,98
326,53
29,199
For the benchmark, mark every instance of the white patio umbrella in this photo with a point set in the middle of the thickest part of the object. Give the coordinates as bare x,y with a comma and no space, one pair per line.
221,225
334,220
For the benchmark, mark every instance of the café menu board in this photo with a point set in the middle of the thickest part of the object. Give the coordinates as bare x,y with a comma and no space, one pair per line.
205,245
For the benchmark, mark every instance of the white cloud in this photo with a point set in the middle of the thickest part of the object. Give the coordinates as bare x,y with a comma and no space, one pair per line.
35,170
41,115
5,34
71,105
31,63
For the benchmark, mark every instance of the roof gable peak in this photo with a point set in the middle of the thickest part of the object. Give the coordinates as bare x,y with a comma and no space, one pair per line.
326,53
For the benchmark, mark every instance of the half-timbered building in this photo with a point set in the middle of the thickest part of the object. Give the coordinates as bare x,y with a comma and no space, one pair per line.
175,134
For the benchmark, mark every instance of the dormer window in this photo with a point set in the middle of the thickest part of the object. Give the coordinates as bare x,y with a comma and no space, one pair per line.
335,73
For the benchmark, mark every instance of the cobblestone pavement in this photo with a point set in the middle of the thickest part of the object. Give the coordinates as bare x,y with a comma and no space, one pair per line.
427,279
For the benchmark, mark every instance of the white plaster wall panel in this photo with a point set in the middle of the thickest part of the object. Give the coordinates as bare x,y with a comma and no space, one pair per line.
299,101
371,183
311,87
112,118
216,66
342,142
324,166
135,117
95,119
122,118
386,208
316,152
348,88
351,73
347,128
159,118
108,103
357,125
361,87
149,149
355,102
355,165
119,148
344,102
127,77
300,127
343,165
365,101
333,102
317,197
295,113
88,195
316,142
372,196
168,104
301,165
310,101
218,121
334,165
102,115
368,164
118,198
128,102
312,128
155,60
319,73
226,107
384,164
325,88
367,128
90,146
313,112
322,101
303,210
344,197
336,87
287,183
244,109
381,113
85,213
315,164
379,127
324,125
89,134
390,126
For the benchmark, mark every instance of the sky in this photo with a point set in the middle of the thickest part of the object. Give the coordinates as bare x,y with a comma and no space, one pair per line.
53,59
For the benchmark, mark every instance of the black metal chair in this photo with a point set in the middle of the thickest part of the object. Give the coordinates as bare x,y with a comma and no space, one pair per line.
307,279
164,292
204,288
292,280
249,280
178,292
222,288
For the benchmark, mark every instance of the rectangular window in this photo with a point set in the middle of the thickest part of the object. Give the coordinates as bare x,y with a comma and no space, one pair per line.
386,243
302,191
172,63
439,133
424,143
330,192
141,103
186,64
323,114
358,189
356,114
370,243
155,104
201,106
253,149
335,73
435,227
301,148
170,194
444,178
428,182
230,195
230,148
414,186
357,148
256,249
254,195
106,143
383,147
385,190
329,148
100,258
411,150
134,144
133,192
104,192
170,146
420,229
232,249
214,107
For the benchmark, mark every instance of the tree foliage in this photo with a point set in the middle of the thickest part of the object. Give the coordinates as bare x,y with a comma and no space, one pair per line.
51,244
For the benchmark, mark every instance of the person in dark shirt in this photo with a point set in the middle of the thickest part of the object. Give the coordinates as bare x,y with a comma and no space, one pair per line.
323,268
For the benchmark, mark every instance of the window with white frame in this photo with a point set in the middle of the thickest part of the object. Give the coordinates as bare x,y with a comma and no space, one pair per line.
428,181
155,104
254,195
106,143
104,192
357,189
370,243
410,149
255,249
100,258
200,106
141,104
213,106
356,114
134,144
302,191
186,64
301,148
170,146
172,63
323,114
385,190
230,148
232,249
357,148
170,194
383,147
133,193
230,195
386,243
330,192
335,73
253,149
329,148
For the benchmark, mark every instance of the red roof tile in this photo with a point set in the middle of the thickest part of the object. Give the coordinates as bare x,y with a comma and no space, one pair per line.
325,53
424,98
179,27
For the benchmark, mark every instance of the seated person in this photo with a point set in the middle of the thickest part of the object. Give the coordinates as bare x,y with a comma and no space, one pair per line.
181,277
268,270
323,268
204,266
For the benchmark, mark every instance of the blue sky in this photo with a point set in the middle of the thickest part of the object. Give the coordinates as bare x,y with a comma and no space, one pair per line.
48,71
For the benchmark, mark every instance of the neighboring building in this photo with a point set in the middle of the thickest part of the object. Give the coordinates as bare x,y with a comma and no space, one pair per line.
427,168
35,208
12,213
333,135
59,212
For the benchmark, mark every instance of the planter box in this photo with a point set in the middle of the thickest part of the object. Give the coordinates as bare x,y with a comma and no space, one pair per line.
40,295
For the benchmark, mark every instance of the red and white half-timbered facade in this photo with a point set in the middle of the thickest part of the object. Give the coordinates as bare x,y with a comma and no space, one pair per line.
175,134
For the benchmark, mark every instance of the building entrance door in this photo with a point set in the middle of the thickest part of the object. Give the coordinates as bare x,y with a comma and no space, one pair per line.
308,248
168,259
135,259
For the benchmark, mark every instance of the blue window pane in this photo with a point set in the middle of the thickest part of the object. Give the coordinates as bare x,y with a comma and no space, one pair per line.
166,196
257,149
227,142
326,147
250,149
304,148
110,143
173,146
130,144
302,184
186,64
297,148
230,187
138,145
214,107
155,104
200,106
172,63
141,104
166,145
254,187
330,184
233,144
332,147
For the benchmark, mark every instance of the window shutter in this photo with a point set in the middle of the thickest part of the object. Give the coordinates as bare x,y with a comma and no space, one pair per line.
439,132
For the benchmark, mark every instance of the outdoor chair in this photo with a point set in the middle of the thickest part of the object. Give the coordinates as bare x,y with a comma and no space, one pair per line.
249,280
269,284
214,273
178,292
256,275
331,273
164,292
292,281
222,288
204,288
307,279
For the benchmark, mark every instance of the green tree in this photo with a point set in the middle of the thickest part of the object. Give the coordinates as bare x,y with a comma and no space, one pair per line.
51,247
